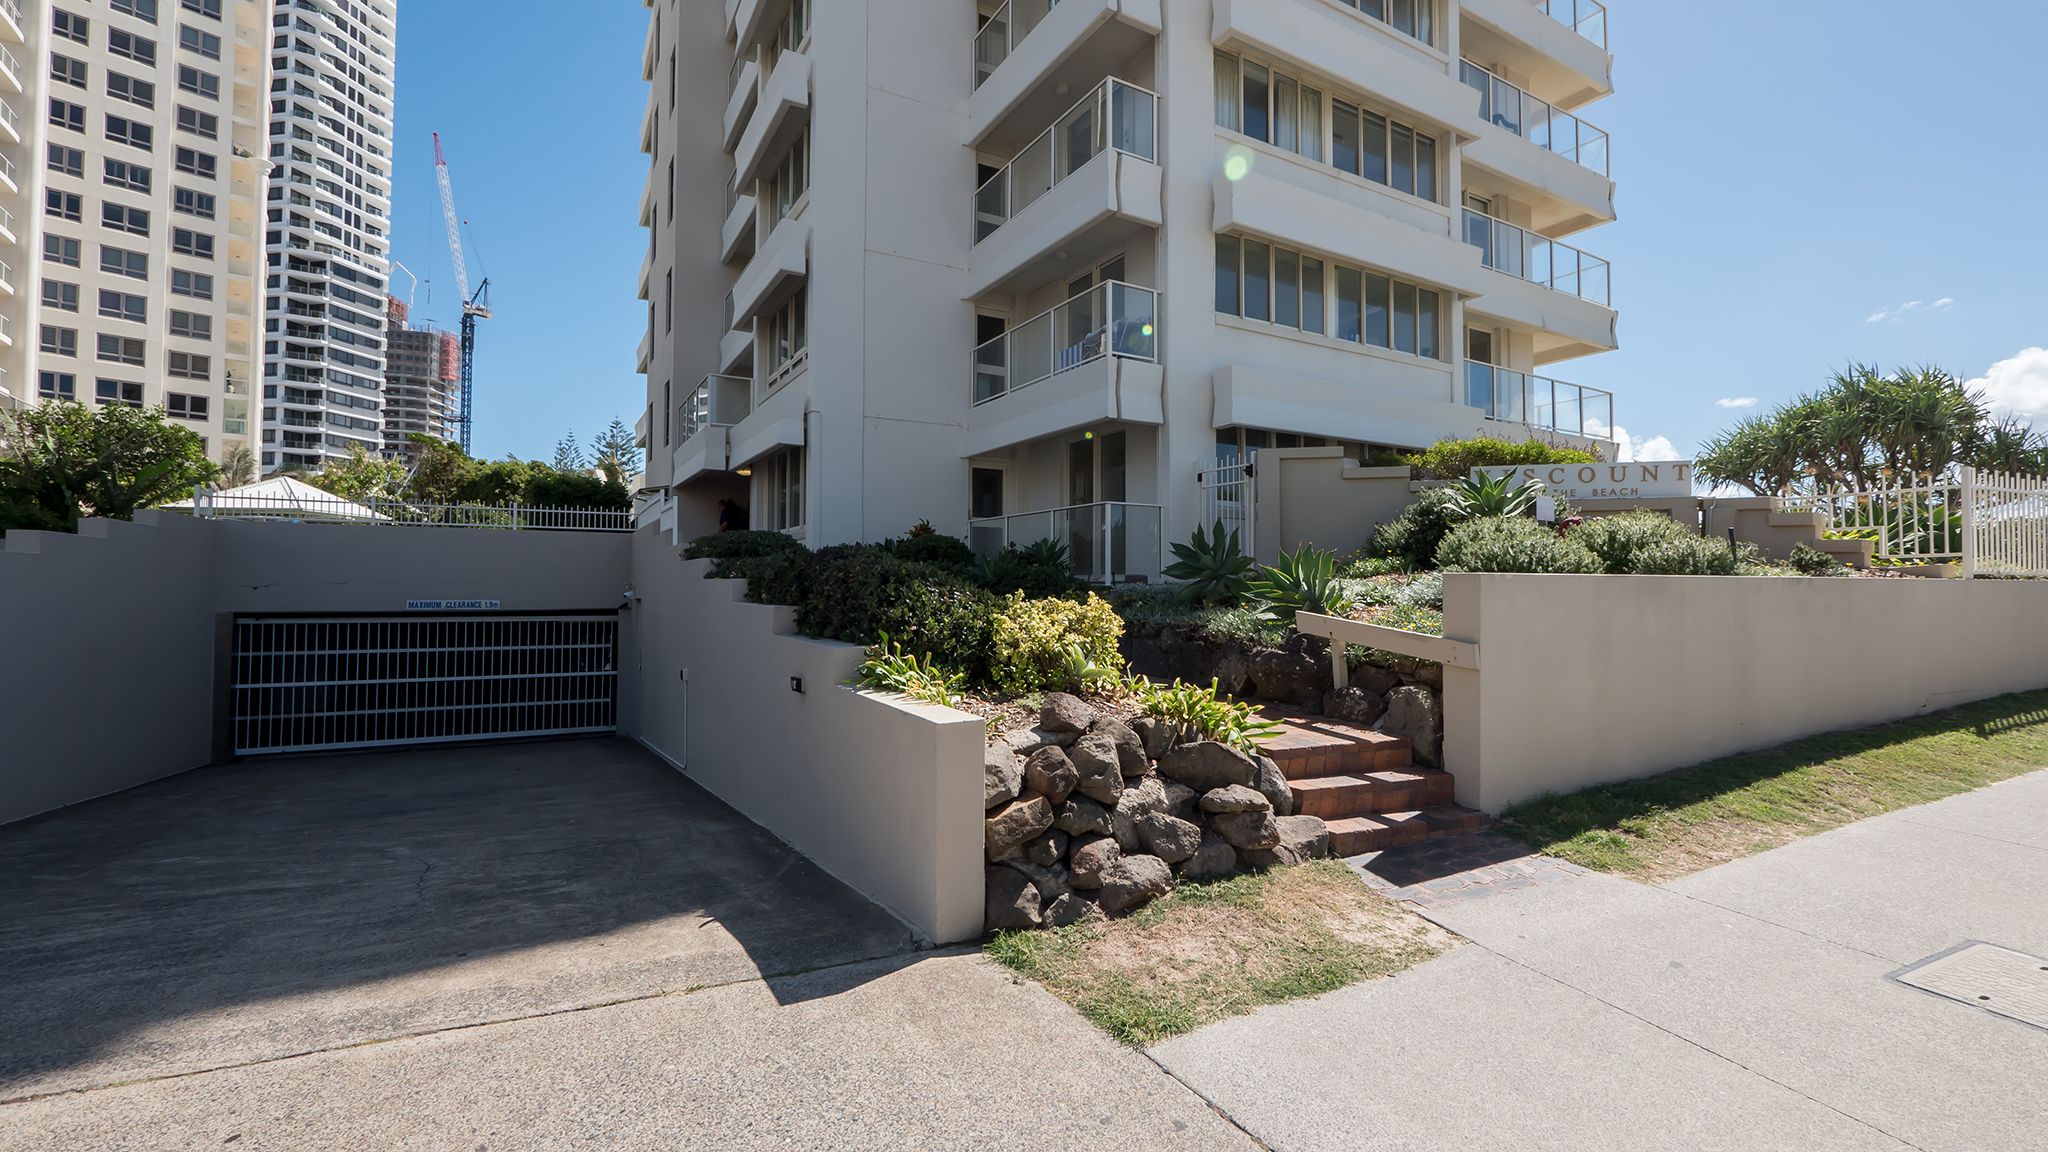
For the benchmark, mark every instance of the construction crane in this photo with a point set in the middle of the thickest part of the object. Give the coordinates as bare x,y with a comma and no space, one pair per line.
474,308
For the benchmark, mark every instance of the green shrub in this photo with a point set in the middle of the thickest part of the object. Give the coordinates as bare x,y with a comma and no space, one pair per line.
1033,640
1695,556
1454,460
888,668
1193,712
1359,566
62,461
1214,566
1038,570
1412,538
929,547
1512,545
1305,581
1810,561
574,490
859,592
1645,543
742,545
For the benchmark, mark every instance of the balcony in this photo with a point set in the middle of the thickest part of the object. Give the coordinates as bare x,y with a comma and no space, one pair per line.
785,109
1106,543
1085,184
10,21
1327,39
736,350
1093,358
1563,65
1549,152
702,424
774,272
1539,402
743,95
10,122
736,238
1588,18
1032,52
1569,301
644,358
10,68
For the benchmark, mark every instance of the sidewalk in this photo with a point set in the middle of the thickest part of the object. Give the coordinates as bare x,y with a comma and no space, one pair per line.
1747,1007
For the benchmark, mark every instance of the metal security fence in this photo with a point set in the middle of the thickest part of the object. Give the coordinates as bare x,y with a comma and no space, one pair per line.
301,508
1228,498
1990,523
319,683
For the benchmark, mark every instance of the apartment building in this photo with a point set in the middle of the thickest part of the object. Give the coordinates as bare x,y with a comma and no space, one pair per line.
327,229
1033,270
422,383
130,174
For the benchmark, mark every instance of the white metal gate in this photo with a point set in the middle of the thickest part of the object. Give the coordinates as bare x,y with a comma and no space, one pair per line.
1992,523
1228,497
313,683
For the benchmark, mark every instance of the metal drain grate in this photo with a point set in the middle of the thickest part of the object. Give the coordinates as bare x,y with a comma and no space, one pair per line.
1998,980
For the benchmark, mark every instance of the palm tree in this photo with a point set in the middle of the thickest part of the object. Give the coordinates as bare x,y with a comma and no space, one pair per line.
237,466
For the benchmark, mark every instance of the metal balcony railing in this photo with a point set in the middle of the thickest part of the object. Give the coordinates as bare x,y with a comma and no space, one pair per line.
1002,32
1586,17
1108,543
1539,402
1541,124
1110,319
1114,117
1539,259
720,401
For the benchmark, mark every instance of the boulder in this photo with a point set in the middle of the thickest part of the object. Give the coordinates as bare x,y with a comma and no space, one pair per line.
1213,860
1206,765
1012,901
1235,798
1134,882
1065,714
1047,849
1247,831
1123,823
1029,740
1130,749
1232,673
1051,883
1292,674
1376,680
1272,784
1355,705
1181,801
1302,839
1172,840
1002,775
1090,856
1101,770
1070,909
1431,675
1015,824
1156,734
1051,774
1413,711
1080,816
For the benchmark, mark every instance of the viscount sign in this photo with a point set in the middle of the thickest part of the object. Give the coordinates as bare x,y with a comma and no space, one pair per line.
452,605
1643,480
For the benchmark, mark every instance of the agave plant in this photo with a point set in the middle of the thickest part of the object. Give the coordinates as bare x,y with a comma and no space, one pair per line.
1305,581
1482,496
1214,566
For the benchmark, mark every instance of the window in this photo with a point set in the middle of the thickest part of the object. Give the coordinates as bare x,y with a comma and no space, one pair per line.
65,70
791,180
59,296
118,392
198,123
196,162
1388,313
668,296
122,349
64,205
197,40
65,114
1415,18
795,30
124,87
140,9
119,305
788,335
122,262
70,27
1383,151
59,341
198,83
209,8
190,366
67,161
57,386
1261,282
191,203
1268,105
782,488
124,219
186,242
191,324
127,44
62,250
135,134
197,285
185,407
121,174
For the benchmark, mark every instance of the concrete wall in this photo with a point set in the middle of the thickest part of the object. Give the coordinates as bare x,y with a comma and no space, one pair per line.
1587,680
884,794
1319,496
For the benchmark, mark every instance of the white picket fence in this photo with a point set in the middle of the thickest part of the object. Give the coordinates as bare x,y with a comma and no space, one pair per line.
1990,523
1229,497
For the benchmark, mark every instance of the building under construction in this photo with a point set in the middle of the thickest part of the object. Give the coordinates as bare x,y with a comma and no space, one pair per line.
422,383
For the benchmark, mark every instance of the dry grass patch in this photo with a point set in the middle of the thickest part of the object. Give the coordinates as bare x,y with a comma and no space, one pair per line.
1689,820
1212,951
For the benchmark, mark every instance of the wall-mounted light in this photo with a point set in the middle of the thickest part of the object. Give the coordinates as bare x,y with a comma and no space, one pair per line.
746,472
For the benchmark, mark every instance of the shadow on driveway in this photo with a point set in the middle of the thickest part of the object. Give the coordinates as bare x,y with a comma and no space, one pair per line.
268,908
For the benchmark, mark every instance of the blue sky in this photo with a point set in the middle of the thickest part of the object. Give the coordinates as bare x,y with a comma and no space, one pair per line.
1793,174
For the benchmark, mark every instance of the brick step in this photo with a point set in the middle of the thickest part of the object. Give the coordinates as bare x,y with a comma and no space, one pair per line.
1342,797
1358,835
1308,747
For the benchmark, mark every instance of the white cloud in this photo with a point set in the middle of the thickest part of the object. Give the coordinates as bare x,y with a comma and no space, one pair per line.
2017,386
1910,308
1737,402
1634,448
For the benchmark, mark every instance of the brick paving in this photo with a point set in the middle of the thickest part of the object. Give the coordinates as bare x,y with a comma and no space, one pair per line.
1457,869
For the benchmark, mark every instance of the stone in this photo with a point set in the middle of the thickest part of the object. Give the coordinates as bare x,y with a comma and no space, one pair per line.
1302,839
1232,673
1101,771
1181,800
1157,736
1134,882
1413,711
1355,705
1206,765
1065,714
1011,901
1029,740
1272,784
1051,774
1172,840
1431,675
1376,680
1002,776
1131,756
1080,816
1213,860
1247,830
1047,849
1291,674
1235,798
1091,854
1015,824
1069,910
1123,824
1051,883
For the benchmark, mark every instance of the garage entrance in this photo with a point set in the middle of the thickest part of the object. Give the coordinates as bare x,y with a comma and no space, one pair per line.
320,683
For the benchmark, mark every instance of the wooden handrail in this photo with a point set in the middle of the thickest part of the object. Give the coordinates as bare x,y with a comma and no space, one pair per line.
1341,632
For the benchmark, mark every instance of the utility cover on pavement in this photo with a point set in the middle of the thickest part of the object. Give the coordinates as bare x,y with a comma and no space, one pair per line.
2000,980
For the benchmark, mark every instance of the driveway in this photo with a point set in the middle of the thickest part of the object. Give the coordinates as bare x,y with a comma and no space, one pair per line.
522,946
1751,1006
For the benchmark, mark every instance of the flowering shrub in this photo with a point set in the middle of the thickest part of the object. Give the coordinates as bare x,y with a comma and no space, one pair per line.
1035,641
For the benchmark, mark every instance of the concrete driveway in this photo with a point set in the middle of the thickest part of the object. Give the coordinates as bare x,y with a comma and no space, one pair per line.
515,947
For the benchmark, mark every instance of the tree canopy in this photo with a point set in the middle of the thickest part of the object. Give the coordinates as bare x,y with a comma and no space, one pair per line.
62,461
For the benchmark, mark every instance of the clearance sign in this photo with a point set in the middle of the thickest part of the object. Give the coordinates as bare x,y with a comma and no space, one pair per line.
1644,480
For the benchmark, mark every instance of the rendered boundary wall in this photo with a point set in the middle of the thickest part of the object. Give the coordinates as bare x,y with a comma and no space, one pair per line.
883,793
1586,680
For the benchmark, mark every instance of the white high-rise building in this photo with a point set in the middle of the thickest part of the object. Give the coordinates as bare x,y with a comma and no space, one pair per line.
1029,269
131,178
327,229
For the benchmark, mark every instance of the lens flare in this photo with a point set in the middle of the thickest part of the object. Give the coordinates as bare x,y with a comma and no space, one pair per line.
1237,163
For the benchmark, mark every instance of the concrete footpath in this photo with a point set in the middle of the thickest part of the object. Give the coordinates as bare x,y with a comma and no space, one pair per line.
1747,1007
